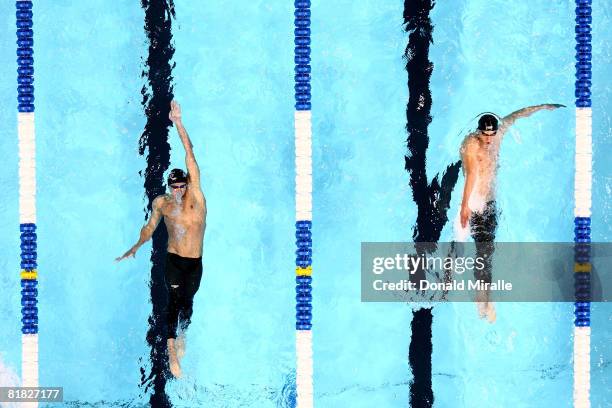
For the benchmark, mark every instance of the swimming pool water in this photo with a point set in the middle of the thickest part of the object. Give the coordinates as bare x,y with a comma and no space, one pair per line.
234,79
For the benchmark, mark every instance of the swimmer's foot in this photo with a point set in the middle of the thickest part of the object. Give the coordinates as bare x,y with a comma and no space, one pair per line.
481,306
175,367
180,346
486,310
491,313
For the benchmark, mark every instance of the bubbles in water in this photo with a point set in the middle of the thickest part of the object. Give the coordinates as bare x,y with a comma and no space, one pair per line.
179,232
176,210
516,136
8,378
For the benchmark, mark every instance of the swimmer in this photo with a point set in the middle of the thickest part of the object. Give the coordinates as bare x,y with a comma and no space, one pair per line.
184,212
479,154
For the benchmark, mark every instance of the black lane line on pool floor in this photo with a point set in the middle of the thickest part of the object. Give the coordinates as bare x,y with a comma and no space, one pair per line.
432,200
157,95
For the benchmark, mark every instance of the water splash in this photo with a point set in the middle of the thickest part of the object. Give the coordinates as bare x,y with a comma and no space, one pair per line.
8,378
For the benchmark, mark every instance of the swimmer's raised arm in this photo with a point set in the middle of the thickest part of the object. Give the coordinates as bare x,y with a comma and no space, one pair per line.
190,161
528,111
147,231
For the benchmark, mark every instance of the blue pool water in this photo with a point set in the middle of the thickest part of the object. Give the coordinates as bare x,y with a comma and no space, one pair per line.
234,79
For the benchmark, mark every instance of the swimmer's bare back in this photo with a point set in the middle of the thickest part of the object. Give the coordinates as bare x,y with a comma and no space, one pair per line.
183,208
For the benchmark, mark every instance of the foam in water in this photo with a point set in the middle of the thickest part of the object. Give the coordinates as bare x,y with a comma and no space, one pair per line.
8,378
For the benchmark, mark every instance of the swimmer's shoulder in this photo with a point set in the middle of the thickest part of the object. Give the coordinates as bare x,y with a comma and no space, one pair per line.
470,144
504,124
160,202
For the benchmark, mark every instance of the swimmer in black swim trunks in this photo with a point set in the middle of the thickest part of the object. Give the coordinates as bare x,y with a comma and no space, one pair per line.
479,154
184,213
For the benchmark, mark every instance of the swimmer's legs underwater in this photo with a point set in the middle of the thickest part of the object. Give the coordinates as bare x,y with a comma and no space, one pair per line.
483,226
183,276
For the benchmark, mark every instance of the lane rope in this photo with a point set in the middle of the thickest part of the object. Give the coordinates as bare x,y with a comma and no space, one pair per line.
303,205
27,194
582,211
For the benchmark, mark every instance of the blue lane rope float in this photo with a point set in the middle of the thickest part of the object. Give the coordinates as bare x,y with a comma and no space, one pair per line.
582,209
27,192
303,204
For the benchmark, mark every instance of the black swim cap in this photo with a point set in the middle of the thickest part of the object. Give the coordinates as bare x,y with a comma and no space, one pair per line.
487,122
177,176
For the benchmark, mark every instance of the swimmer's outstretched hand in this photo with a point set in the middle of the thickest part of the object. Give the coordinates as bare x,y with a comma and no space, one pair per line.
175,112
131,252
552,106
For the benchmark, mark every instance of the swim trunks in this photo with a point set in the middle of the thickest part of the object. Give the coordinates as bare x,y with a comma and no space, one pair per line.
483,226
183,277
484,223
